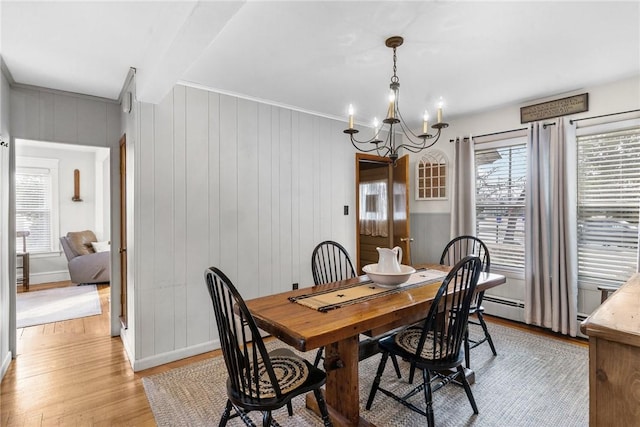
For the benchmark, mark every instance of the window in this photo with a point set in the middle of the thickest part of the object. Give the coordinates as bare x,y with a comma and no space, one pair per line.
501,169
608,206
373,211
431,176
37,203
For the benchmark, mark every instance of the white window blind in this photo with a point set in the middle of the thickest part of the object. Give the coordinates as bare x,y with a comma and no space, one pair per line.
500,185
608,206
36,203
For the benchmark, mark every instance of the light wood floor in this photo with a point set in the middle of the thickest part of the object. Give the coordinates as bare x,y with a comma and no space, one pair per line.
73,373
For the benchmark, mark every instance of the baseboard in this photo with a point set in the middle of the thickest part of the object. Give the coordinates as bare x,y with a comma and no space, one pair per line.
48,277
172,356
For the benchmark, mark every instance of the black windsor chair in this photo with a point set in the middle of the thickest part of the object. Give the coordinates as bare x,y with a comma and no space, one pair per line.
258,381
455,250
434,345
330,262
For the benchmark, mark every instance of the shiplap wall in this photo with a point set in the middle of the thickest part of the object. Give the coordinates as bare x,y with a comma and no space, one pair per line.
248,187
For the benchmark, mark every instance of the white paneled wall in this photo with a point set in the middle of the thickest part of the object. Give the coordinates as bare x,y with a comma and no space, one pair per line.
248,187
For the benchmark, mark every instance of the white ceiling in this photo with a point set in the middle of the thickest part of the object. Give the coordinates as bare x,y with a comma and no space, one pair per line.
321,56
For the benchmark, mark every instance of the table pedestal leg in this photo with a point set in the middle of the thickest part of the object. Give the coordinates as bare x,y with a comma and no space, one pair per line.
342,389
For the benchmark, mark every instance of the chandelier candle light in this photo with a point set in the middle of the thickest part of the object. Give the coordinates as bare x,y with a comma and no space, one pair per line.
413,143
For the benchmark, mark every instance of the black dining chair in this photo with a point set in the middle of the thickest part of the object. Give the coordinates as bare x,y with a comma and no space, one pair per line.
453,252
258,381
330,262
435,345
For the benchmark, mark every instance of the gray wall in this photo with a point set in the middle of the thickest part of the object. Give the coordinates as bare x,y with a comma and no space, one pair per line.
430,233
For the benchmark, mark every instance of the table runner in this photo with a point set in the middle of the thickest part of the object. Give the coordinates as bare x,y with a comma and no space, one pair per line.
330,299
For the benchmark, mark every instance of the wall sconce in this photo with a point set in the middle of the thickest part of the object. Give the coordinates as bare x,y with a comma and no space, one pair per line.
76,186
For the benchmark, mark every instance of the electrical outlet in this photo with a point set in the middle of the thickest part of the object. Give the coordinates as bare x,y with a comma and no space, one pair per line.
295,286
346,209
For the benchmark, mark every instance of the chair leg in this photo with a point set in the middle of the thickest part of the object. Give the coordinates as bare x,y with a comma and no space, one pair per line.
225,414
396,366
318,357
467,356
412,372
428,397
266,418
322,405
467,389
376,381
290,409
486,333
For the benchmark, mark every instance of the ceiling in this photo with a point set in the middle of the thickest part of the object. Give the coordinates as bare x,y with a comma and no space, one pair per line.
321,56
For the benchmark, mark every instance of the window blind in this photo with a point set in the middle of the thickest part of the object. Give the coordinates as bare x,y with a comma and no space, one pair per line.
33,208
608,206
500,203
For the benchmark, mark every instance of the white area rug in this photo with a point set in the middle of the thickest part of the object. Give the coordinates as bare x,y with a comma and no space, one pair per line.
54,305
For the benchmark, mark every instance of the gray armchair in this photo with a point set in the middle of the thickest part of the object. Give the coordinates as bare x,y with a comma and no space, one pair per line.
85,265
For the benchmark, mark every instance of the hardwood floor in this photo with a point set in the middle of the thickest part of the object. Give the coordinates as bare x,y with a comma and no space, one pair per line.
74,373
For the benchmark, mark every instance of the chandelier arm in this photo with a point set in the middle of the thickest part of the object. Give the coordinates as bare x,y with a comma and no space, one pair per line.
406,129
414,148
354,141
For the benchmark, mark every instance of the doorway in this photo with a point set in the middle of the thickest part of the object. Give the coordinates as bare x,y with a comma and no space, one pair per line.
72,187
382,207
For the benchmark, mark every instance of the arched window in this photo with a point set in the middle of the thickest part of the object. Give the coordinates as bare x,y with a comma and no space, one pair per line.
431,176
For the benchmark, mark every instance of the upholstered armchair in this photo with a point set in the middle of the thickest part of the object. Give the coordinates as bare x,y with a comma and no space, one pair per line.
88,261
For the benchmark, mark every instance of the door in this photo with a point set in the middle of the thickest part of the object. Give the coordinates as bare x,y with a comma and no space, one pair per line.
123,231
382,207
400,188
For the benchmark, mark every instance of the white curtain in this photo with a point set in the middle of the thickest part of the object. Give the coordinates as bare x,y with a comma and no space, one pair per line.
463,189
551,268
374,219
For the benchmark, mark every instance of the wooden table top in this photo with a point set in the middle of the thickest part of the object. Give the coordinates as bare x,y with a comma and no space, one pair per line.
305,329
617,318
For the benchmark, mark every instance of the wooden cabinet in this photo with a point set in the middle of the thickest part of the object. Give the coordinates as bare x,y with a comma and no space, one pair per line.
614,358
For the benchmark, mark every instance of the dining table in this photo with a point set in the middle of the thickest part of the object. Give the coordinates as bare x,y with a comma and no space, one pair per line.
338,330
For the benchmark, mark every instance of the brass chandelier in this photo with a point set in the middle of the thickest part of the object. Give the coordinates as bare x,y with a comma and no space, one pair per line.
412,142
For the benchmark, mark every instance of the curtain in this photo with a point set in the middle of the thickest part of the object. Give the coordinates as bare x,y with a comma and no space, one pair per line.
374,220
463,189
551,268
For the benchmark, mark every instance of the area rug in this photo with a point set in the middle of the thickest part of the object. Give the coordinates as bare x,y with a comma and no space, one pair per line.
533,381
57,304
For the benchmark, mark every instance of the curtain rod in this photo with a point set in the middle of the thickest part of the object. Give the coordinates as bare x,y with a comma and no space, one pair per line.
491,134
572,121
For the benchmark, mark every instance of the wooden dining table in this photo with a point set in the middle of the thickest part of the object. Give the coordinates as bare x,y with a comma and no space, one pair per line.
338,330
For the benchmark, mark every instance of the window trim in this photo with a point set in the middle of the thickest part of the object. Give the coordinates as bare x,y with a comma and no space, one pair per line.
53,166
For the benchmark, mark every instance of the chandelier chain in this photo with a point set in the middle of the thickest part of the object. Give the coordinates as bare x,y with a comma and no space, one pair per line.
394,78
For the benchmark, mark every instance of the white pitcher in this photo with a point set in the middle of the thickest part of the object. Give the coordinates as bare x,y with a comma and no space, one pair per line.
388,261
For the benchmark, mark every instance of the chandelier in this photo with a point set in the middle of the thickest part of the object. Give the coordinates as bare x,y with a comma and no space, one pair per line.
412,142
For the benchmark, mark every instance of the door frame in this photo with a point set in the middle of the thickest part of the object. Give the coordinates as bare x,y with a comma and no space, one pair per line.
122,252
398,239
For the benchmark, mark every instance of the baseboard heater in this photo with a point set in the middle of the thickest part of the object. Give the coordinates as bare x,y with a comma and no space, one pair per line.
504,301
519,304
